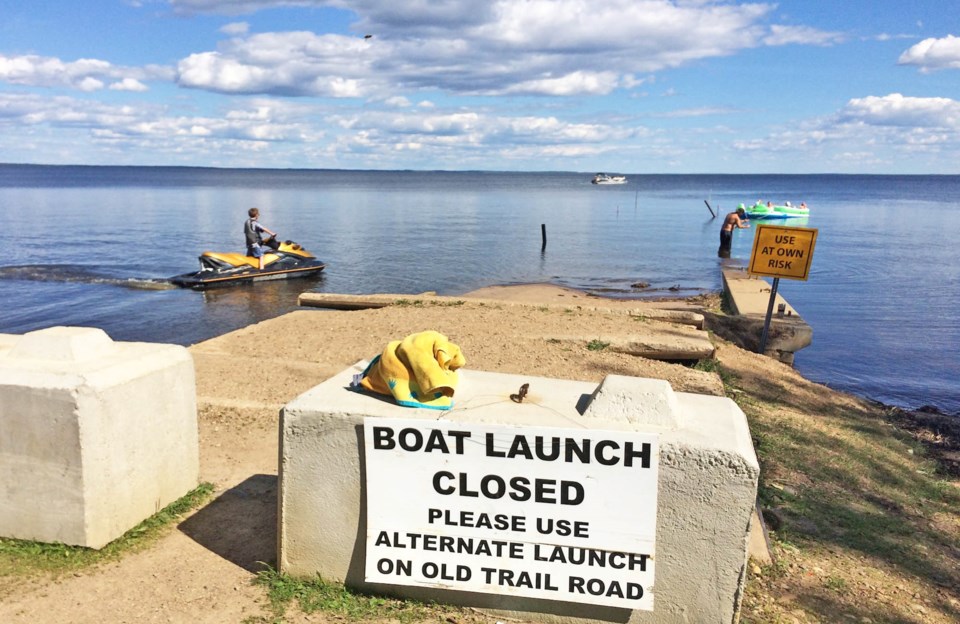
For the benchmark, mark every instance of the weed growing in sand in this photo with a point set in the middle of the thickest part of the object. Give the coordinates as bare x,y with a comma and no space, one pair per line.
22,557
836,583
597,345
419,303
312,595
712,365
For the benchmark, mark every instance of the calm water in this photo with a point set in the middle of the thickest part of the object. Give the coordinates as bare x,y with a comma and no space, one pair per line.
84,243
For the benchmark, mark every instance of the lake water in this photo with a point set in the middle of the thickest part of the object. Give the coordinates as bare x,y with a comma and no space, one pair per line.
84,245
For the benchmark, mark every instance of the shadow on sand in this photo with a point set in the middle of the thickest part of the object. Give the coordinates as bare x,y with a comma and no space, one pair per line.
240,525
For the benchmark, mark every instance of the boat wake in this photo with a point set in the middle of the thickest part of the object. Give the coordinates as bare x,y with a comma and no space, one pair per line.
77,274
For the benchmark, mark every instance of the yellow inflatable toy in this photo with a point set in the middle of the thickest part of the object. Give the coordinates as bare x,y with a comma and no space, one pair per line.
418,371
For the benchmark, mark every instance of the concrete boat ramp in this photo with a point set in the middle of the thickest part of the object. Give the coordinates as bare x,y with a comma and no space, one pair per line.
670,335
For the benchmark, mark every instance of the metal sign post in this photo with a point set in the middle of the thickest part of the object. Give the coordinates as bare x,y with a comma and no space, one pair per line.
766,321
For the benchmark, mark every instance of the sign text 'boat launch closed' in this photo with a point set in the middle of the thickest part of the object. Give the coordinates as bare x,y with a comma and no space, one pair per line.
541,512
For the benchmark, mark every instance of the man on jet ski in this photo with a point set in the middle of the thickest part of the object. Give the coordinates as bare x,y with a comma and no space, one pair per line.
253,232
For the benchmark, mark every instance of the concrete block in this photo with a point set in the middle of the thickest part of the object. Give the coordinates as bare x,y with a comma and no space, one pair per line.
95,435
637,401
707,482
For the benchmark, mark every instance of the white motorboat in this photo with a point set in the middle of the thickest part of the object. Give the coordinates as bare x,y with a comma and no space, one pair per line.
603,178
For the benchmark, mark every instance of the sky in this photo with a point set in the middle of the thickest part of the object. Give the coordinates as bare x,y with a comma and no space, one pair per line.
622,86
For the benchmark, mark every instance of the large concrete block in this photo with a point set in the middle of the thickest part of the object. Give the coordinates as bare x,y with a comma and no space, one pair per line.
95,435
706,481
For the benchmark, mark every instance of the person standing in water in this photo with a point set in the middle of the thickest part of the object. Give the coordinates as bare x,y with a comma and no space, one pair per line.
253,233
732,221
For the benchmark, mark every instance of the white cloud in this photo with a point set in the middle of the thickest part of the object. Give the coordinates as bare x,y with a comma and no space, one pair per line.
490,132
702,111
280,125
235,28
17,110
932,54
89,83
893,121
898,110
885,133
784,35
83,74
236,7
530,47
575,83
629,81
397,101
264,121
888,37
291,64
129,84
469,138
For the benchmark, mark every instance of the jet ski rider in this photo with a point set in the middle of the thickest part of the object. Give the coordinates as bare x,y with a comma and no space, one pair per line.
253,232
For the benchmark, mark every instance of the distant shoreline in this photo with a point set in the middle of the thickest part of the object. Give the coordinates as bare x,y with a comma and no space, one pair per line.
485,171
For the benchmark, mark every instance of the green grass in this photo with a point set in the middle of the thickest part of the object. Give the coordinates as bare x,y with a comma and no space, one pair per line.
861,491
316,594
24,557
597,345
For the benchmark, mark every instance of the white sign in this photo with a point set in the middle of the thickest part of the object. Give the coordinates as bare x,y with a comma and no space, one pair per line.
541,512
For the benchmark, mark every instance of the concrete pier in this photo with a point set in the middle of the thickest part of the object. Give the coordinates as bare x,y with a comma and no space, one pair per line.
749,298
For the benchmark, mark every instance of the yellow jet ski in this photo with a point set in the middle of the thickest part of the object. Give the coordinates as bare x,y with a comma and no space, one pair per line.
287,260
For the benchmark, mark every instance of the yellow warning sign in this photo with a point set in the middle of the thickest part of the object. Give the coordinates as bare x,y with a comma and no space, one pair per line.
780,251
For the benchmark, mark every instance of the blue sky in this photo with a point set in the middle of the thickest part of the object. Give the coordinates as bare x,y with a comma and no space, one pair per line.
644,86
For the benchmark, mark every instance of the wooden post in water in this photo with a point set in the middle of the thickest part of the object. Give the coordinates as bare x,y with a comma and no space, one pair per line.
543,235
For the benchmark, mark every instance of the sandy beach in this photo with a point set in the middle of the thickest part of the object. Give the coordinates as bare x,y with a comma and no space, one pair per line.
201,571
